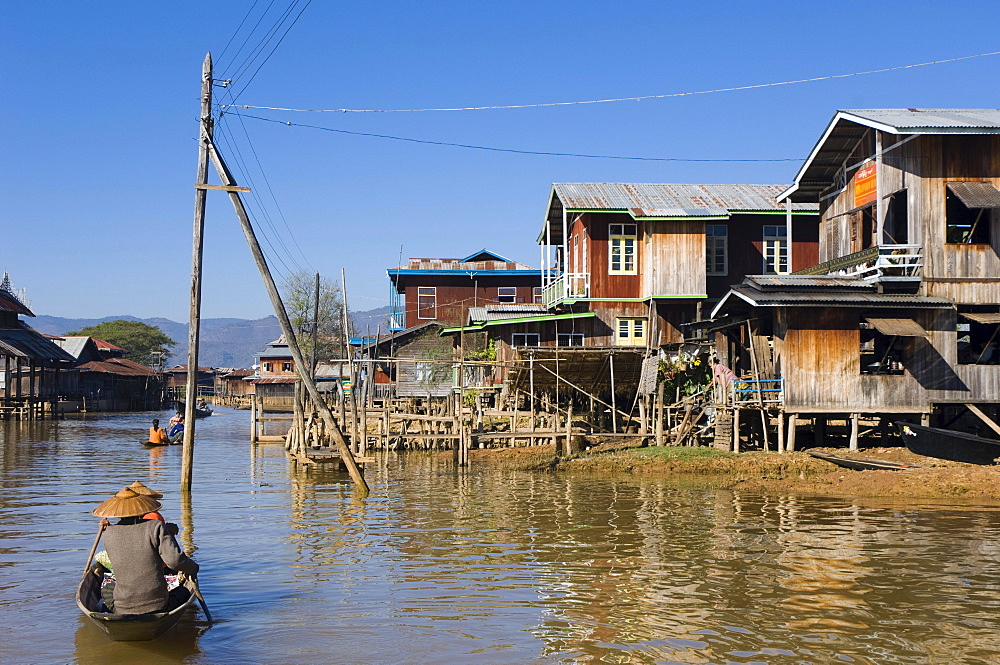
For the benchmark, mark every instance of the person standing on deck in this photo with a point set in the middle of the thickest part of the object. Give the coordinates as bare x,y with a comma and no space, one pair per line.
139,548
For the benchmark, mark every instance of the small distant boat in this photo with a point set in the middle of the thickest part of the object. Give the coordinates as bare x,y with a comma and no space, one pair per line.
861,463
949,444
198,413
127,627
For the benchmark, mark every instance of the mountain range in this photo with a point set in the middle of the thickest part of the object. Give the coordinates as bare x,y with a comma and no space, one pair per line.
224,342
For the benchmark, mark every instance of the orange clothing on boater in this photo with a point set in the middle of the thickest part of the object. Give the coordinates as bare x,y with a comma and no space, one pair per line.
158,435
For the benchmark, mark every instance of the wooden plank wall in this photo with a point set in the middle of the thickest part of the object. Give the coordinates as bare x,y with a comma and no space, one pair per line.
672,258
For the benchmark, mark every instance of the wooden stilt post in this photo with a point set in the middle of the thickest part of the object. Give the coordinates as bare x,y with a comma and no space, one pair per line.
660,389
792,418
853,445
781,431
819,430
736,429
197,244
286,326
614,403
253,418
531,397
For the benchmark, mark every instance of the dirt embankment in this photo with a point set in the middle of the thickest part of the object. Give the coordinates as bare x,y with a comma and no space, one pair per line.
795,472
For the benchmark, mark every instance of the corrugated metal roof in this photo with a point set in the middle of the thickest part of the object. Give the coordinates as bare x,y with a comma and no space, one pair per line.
120,366
976,194
505,311
899,327
10,303
929,121
768,282
842,133
671,200
982,317
458,265
840,298
25,342
275,352
72,345
275,379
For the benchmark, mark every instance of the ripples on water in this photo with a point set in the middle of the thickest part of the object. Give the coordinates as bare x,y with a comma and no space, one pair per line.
439,566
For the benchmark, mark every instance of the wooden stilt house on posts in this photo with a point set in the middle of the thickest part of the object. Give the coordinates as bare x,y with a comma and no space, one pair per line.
30,363
902,315
646,258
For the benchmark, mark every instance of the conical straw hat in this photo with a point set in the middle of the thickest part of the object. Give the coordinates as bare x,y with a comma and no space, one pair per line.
127,504
139,488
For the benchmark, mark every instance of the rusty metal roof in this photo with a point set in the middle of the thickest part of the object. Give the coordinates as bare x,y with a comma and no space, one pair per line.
976,194
663,200
770,282
10,303
505,311
119,366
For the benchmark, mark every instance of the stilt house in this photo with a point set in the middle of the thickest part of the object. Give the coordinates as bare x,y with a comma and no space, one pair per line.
902,314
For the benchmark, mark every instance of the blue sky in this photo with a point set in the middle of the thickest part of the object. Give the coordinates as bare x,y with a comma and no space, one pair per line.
100,104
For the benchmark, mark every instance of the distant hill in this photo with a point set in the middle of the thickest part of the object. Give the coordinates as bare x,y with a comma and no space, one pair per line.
224,342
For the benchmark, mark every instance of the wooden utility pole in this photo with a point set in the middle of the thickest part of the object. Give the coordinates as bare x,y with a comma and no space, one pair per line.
301,366
194,318
350,365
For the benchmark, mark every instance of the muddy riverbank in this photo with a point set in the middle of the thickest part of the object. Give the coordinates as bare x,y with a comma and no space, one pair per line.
783,473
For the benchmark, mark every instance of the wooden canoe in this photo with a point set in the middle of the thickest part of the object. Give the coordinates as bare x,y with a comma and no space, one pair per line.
127,627
862,463
949,444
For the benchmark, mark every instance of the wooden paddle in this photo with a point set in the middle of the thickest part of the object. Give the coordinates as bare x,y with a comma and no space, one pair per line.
201,599
90,558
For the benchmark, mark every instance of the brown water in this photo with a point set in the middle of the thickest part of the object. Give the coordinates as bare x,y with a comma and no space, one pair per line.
439,566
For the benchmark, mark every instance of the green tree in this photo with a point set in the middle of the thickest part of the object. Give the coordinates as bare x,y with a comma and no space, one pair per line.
139,340
298,291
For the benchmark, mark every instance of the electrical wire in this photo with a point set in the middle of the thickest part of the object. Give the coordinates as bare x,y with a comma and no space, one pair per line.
280,40
238,28
270,191
633,99
514,150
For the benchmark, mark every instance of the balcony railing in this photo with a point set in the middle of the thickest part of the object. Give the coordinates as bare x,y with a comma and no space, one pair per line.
882,263
567,286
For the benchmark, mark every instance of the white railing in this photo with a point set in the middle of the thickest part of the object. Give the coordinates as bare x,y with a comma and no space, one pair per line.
875,264
565,287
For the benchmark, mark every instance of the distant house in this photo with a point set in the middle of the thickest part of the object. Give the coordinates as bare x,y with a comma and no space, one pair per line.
109,382
418,361
31,365
443,290
232,382
176,380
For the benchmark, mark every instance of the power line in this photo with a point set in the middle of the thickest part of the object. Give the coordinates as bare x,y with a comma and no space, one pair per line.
514,150
280,40
634,99
238,28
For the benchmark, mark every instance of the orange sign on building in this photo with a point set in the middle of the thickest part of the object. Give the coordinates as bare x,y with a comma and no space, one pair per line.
865,189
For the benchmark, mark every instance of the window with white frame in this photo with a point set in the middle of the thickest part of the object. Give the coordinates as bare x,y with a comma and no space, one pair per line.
716,249
506,294
570,339
774,247
630,331
266,367
621,249
536,294
524,339
426,302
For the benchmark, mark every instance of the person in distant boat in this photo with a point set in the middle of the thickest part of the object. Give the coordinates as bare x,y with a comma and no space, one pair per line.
139,548
176,431
201,405
157,435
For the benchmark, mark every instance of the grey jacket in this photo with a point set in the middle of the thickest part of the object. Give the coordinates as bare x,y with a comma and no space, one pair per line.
138,552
